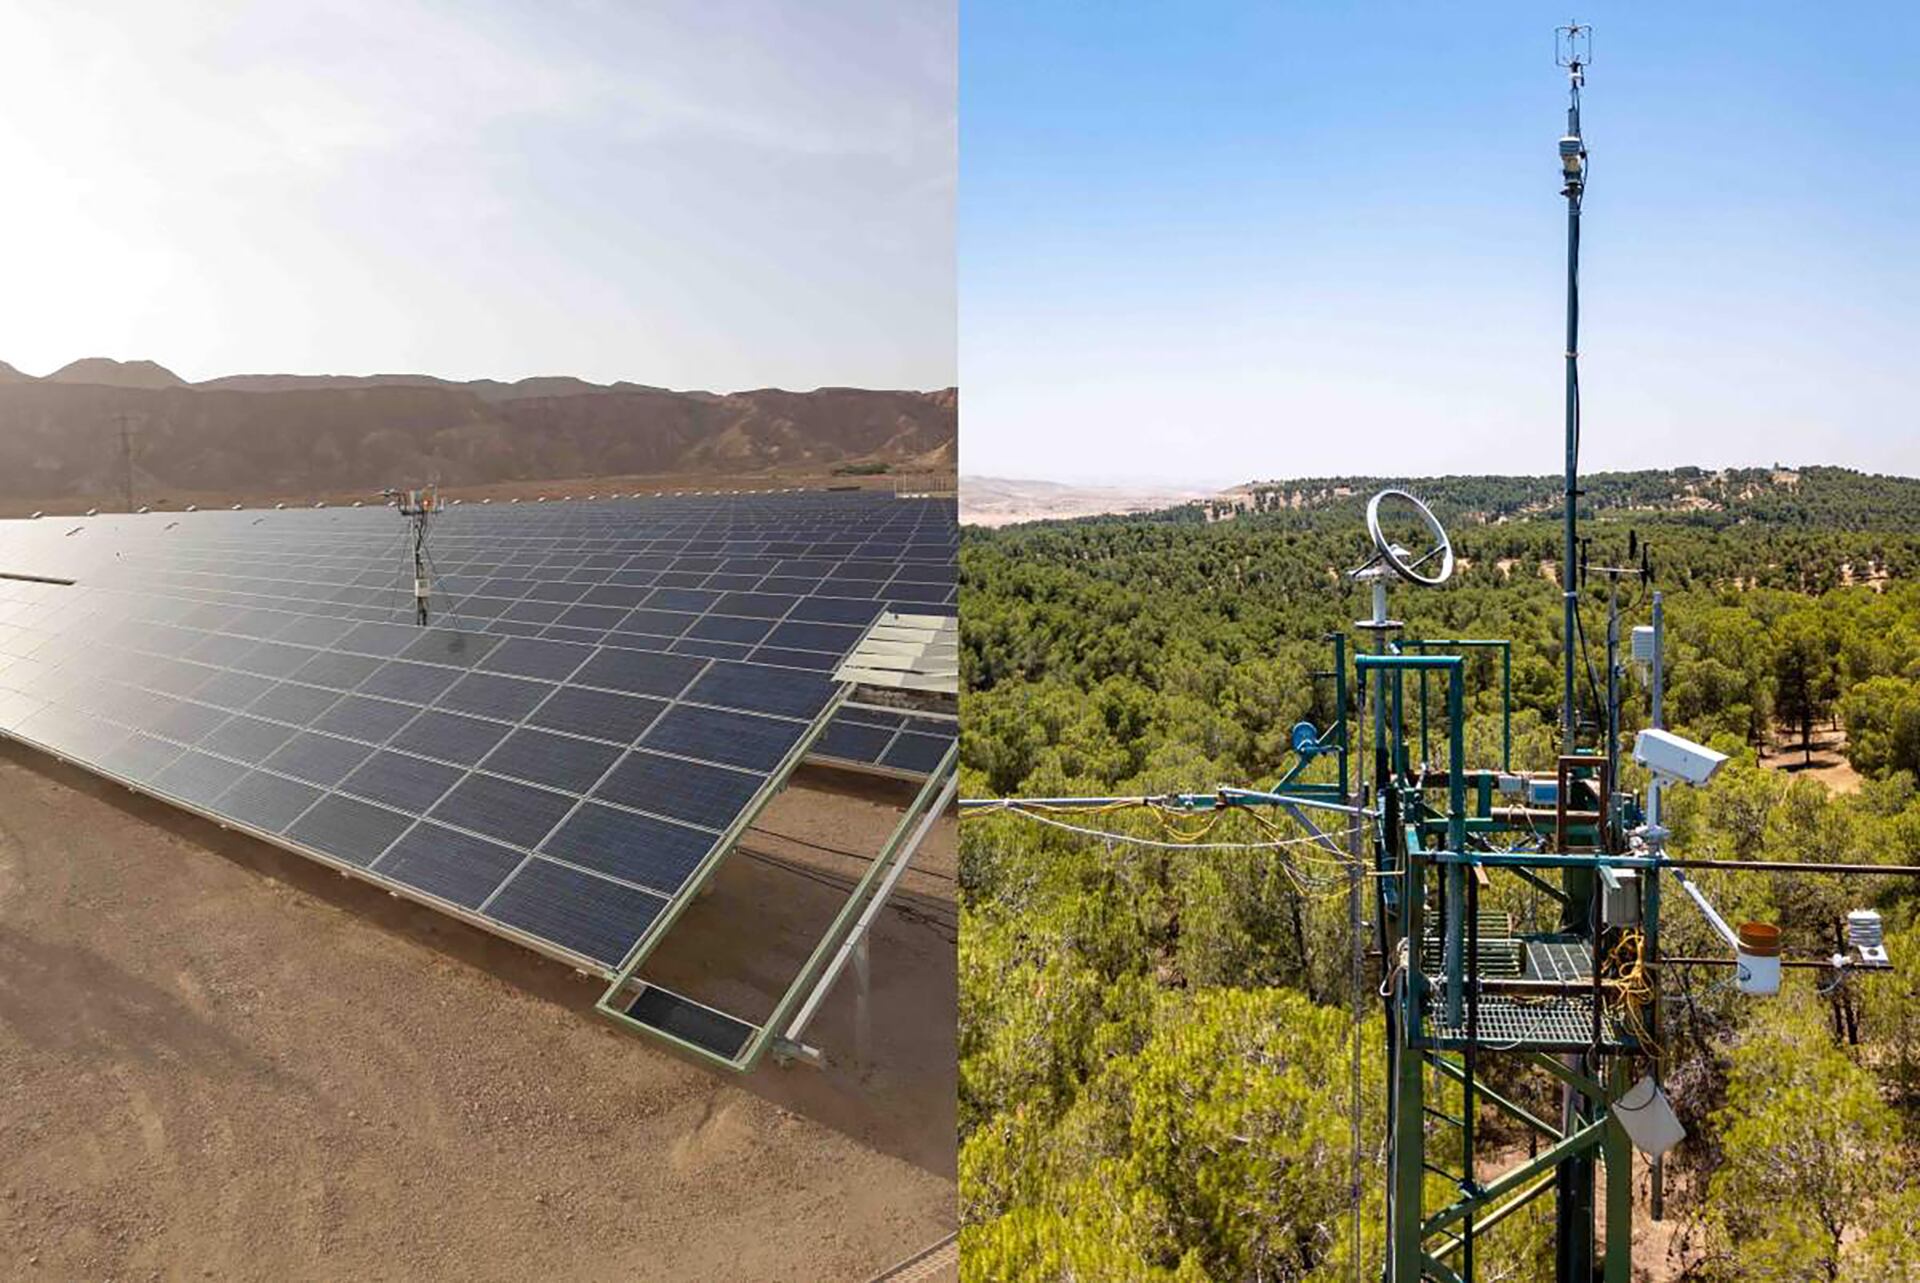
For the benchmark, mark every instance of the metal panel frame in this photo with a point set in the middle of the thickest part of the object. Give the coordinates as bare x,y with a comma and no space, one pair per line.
768,1031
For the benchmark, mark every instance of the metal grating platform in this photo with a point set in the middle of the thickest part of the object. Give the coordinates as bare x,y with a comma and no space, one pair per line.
1567,961
1540,1024
1499,949
1498,957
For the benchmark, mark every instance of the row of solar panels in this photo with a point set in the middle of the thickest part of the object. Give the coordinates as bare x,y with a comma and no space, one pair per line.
562,791
795,612
342,752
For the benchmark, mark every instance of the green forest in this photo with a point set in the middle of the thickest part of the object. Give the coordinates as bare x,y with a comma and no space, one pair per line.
1156,1042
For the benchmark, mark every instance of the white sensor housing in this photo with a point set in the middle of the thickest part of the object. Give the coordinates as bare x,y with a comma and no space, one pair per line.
1675,757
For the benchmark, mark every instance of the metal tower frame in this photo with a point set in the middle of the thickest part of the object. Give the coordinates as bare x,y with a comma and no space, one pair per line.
1579,1002
1463,985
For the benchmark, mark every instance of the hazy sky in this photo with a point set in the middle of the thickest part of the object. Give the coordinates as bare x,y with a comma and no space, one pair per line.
721,195
1219,241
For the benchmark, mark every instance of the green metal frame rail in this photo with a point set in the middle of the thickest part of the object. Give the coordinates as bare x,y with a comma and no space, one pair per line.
1426,645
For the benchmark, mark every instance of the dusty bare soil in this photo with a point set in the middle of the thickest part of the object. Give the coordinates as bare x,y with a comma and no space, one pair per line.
1827,763
219,1060
1664,1250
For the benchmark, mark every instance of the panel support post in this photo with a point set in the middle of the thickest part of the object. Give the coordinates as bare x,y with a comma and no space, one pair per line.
862,1016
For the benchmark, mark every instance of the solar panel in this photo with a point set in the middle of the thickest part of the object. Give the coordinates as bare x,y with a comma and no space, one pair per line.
450,864
899,742
719,1033
916,753
606,692
853,742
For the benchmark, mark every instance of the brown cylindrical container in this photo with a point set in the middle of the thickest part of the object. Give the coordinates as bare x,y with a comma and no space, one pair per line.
1758,958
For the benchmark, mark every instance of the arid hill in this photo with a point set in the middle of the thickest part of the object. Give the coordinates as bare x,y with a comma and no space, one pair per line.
104,370
485,389
290,435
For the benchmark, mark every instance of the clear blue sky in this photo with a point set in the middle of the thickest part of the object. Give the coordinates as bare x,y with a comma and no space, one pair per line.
1221,241
710,194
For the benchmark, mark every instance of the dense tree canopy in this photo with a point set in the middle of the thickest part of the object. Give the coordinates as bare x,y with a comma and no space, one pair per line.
1156,1042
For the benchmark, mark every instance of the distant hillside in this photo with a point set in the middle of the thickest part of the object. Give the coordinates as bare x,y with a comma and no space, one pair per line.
485,389
1001,501
1833,498
105,372
267,435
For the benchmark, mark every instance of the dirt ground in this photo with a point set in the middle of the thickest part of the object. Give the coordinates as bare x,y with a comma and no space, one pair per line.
1663,1251
219,1060
1827,763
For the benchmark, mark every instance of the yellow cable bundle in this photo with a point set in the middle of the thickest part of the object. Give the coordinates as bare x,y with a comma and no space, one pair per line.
1630,986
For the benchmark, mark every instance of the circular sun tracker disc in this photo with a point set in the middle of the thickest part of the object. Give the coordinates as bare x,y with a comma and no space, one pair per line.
1420,569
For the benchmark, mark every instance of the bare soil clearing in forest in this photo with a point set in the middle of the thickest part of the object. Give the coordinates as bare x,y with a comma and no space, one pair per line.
1828,763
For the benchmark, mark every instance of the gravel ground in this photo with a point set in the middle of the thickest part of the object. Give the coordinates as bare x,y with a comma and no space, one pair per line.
219,1060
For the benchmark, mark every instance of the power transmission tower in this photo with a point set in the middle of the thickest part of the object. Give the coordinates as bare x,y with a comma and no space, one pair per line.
126,459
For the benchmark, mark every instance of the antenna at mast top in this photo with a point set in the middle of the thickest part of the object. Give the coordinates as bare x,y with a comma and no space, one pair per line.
1573,48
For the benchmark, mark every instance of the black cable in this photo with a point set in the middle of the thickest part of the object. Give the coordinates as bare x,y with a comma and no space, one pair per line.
834,850
834,882
400,546
1593,685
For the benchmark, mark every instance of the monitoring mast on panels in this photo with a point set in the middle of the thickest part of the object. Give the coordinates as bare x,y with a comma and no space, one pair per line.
418,507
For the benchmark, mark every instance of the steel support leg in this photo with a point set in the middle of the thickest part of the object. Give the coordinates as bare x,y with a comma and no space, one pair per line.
1409,1159
1618,1152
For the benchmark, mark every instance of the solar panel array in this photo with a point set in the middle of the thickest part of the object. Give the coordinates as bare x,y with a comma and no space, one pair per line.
607,689
882,737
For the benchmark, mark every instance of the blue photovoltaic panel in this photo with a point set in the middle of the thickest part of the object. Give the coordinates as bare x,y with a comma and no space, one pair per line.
604,692
900,742
449,864
763,689
643,849
267,801
852,742
557,761
918,754
699,794
719,735
401,780
583,913
597,714
690,1021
